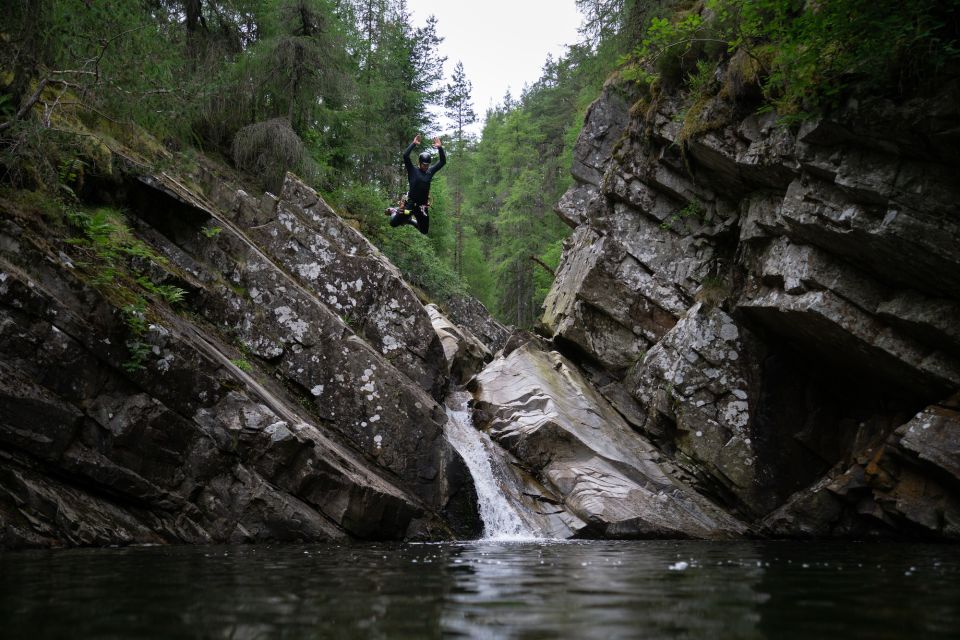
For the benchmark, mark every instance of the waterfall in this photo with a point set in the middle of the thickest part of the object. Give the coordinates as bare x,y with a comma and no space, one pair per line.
501,519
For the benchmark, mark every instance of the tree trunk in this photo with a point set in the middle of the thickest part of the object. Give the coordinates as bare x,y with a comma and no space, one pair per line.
25,45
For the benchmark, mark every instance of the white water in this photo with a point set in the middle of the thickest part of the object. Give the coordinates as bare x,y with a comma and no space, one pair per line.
501,520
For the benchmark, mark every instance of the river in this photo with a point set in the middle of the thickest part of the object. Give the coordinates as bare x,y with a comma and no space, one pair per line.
486,589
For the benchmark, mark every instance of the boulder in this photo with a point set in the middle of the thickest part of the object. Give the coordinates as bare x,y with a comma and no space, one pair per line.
464,353
469,313
538,407
699,384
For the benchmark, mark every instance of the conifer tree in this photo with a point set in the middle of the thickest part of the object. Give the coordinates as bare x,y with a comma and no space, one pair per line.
459,110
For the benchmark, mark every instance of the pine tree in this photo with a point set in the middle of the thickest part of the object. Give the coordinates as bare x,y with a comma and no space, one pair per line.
459,109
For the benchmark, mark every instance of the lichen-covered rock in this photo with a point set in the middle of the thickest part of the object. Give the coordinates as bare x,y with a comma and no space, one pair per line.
468,312
464,353
539,408
351,385
258,415
699,383
834,246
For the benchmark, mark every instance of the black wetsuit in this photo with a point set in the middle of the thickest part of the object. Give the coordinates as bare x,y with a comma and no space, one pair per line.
418,196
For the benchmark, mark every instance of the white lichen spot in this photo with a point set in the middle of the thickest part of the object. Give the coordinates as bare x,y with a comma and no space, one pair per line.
737,414
699,434
310,271
358,285
374,418
317,390
363,424
733,356
740,393
390,344
378,440
163,364
287,317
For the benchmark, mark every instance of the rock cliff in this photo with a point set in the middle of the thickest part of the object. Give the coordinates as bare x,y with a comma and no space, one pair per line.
292,395
776,308
752,332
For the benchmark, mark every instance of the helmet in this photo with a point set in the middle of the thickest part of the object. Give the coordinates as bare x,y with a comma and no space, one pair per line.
426,157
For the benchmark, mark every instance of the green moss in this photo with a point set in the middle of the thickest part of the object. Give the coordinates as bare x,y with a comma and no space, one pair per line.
713,291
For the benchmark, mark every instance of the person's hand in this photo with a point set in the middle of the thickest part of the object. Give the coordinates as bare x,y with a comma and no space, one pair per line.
436,143
416,140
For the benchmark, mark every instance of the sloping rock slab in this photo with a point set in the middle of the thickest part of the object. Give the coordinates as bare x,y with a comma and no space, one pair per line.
91,459
538,407
469,313
353,387
464,353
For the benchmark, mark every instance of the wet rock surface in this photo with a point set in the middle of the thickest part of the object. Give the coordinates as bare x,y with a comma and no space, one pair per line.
465,354
540,409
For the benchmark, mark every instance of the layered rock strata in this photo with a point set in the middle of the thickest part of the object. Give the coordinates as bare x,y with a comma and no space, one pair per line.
537,406
775,301
258,412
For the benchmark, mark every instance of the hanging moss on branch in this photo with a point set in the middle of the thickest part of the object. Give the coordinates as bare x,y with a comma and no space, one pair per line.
268,150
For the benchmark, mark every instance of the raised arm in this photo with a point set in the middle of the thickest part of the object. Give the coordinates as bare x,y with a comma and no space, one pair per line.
443,156
406,154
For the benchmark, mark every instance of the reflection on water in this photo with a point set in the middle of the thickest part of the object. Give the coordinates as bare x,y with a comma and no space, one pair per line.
486,590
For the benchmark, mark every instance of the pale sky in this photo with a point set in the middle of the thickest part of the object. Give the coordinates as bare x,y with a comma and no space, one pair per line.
502,43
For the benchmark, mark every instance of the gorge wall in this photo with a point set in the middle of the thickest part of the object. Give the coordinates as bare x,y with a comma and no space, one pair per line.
291,396
753,332
776,308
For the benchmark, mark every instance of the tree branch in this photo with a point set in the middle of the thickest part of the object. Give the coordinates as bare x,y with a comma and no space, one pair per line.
26,105
544,265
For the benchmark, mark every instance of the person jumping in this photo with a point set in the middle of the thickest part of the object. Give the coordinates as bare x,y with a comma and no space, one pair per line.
414,208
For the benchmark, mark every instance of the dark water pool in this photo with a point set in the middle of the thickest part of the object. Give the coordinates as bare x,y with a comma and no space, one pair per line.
486,590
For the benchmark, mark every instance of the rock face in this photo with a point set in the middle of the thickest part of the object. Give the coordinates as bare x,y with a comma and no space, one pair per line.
768,304
907,485
290,397
537,406
464,353
752,332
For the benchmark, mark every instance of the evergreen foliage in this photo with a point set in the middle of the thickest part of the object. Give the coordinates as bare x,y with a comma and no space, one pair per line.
336,89
809,55
459,110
